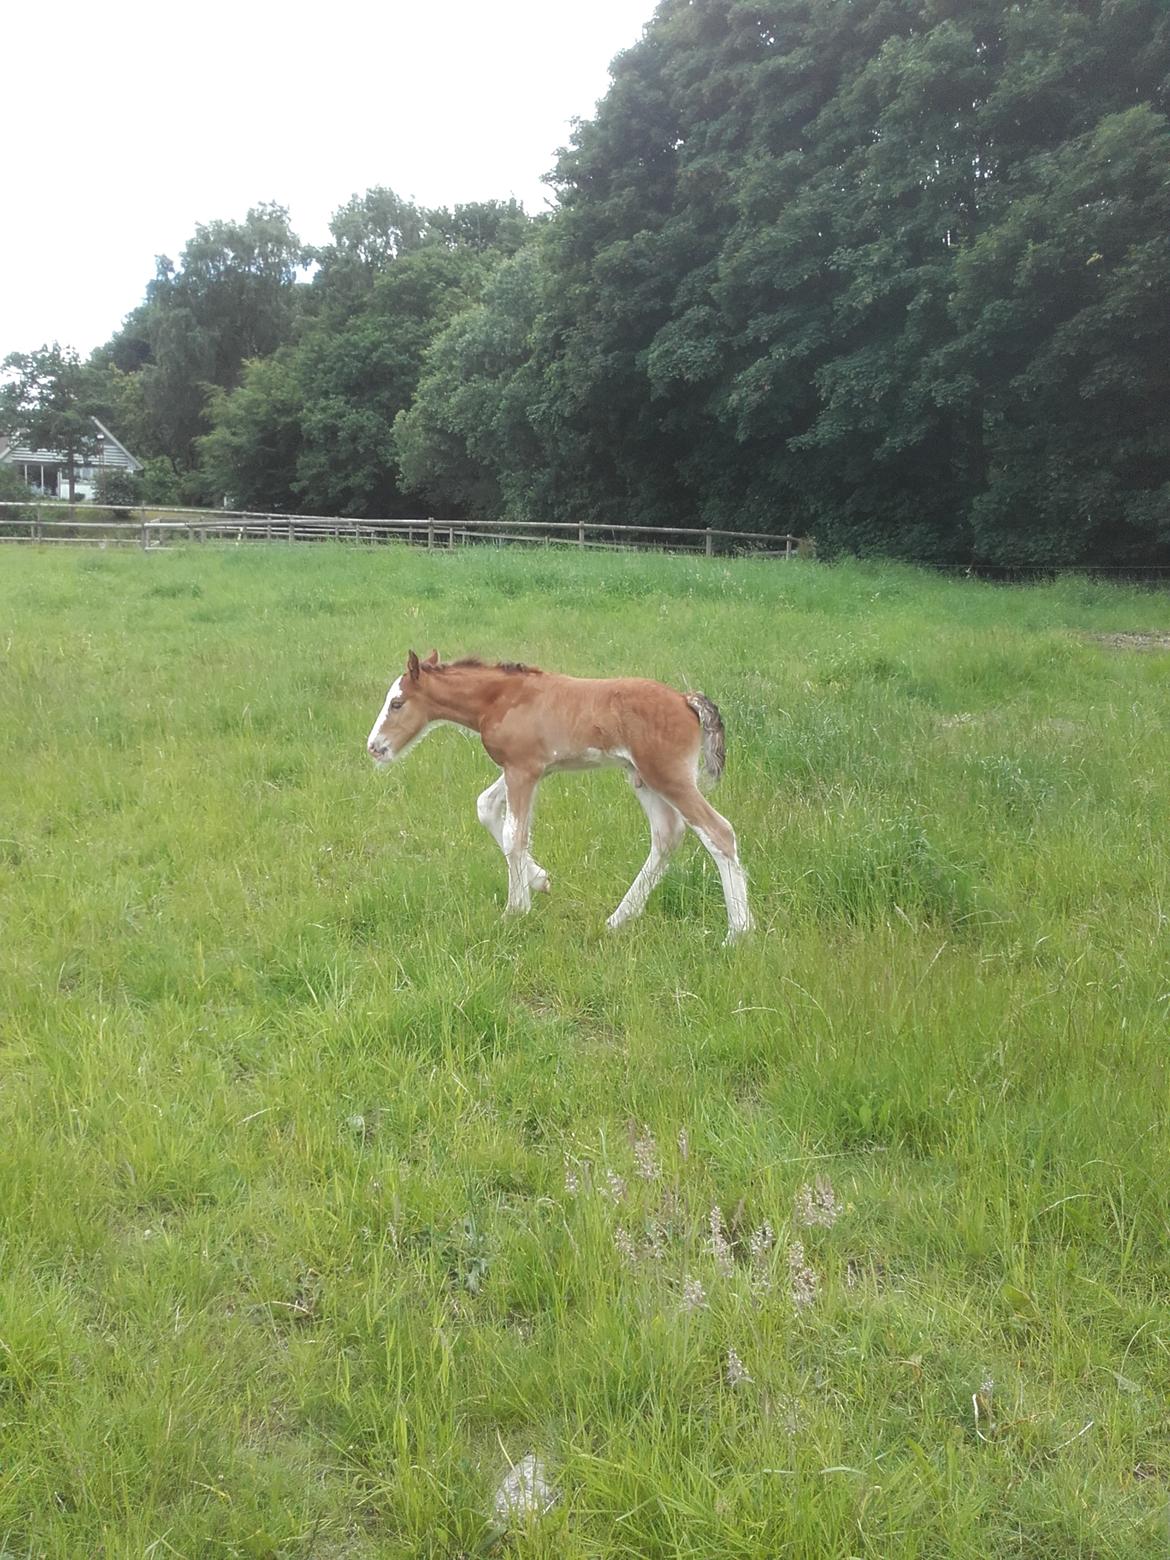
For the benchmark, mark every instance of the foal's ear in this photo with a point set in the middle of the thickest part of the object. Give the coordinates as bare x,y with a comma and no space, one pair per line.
412,666
432,659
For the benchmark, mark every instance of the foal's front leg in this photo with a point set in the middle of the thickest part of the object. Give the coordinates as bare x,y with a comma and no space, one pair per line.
491,807
520,787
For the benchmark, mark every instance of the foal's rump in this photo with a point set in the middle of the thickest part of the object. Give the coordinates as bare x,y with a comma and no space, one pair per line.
673,739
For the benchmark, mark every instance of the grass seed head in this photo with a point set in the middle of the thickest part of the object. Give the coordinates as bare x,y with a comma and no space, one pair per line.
760,1245
624,1243
737,1371
656,1239
762,1241
694,1296
646,1155
817,1205
720,1245
802,1280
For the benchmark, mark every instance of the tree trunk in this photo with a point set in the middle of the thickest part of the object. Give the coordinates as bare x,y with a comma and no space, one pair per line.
72,475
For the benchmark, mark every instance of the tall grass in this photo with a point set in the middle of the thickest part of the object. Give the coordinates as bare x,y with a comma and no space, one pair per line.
326,1193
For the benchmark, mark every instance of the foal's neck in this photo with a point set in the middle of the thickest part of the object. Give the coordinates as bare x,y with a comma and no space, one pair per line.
462,693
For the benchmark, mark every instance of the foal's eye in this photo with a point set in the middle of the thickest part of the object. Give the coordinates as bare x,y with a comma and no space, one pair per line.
395,704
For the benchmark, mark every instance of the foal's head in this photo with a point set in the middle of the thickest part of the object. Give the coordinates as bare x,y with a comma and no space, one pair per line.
405,715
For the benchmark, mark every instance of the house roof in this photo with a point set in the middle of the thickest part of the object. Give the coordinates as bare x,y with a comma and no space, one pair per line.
113,446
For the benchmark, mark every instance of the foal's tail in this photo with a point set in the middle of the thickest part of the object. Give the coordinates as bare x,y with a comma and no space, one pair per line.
713,751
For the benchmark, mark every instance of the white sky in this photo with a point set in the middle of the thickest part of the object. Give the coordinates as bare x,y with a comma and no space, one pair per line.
136,121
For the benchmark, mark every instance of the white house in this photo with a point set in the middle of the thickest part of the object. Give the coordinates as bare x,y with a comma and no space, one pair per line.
44,470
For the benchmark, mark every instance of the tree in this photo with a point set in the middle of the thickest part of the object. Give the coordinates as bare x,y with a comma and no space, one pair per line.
356,377
250,456
370,231
46,403
232,297
488,226
466,442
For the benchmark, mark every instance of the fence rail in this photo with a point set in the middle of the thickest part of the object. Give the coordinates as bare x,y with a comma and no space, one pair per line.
153,527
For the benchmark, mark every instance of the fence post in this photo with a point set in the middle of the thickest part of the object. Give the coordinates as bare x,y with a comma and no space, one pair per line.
144,531
36,525
580,533
430,533
710,543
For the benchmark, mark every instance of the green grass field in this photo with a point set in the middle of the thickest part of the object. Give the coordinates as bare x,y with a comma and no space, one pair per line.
326,1192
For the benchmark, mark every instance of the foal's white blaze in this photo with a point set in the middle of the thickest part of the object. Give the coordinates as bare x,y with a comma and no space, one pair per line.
379,748
376,727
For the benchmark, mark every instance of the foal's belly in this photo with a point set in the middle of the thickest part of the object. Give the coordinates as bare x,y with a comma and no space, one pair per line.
593,758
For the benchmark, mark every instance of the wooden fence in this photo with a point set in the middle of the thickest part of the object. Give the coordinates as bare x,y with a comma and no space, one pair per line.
160,527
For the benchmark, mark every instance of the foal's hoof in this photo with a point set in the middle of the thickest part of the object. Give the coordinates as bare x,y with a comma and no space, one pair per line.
540,883
737,934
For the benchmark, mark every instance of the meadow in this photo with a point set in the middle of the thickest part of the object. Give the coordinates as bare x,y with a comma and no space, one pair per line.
327,1193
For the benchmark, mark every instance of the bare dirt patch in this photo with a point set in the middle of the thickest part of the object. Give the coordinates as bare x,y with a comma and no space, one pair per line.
1133,641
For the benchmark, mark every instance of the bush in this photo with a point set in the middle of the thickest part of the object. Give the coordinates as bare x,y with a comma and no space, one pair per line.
12,489
159,482
119,489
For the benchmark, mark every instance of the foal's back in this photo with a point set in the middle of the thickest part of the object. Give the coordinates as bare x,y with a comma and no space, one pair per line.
554,719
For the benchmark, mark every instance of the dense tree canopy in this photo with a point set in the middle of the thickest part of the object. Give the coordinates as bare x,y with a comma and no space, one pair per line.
892,273
311,427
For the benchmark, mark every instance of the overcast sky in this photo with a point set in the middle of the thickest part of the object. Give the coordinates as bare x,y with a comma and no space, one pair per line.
130,122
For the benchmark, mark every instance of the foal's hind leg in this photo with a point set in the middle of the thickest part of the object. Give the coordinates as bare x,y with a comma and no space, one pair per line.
719,838
666,830
491,806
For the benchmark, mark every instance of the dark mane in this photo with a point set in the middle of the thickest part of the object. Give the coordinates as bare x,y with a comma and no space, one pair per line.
500,666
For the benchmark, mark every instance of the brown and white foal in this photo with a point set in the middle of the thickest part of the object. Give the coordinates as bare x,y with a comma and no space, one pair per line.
534,723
